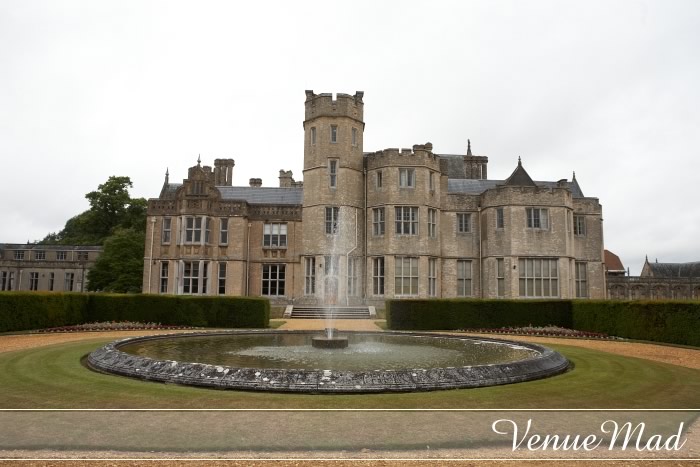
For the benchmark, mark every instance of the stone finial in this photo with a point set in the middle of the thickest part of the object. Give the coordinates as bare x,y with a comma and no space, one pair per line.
469,147
199,159
520,162
167,175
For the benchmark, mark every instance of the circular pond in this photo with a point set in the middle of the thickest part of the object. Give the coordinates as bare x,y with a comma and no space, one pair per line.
286,361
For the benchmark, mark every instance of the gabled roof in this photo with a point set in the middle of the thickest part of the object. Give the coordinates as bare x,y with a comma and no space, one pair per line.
519,177
675,269
612,262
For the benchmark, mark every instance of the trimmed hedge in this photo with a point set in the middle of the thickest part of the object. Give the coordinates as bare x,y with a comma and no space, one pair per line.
469,313
675,322
35,310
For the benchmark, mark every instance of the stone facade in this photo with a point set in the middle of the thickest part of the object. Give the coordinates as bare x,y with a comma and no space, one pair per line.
59,268
658,281
366,226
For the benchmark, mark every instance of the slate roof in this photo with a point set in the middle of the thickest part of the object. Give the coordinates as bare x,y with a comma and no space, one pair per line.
520,177
612,262
476,187
251,195
263,195
675,269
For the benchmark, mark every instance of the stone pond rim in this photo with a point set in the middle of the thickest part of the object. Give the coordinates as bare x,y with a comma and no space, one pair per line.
110,359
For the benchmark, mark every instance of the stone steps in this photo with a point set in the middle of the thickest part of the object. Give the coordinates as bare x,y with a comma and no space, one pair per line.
336,312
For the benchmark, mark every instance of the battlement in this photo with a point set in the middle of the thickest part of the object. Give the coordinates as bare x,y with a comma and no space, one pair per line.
420,154
344,105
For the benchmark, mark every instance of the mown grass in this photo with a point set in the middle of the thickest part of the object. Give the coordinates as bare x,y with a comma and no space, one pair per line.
53,377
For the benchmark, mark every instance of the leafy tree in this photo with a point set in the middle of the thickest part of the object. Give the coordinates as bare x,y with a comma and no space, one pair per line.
111,208
118,222
120,266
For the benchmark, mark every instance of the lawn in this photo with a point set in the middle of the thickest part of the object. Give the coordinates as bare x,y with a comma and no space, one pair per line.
53,377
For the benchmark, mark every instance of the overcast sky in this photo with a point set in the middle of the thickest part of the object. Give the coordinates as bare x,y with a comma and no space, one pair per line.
608,89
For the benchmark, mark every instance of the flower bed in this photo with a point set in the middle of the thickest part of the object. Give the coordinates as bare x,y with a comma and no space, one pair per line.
543,331
113,326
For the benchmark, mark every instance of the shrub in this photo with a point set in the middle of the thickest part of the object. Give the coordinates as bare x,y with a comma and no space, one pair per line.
471,313
35,310
675,322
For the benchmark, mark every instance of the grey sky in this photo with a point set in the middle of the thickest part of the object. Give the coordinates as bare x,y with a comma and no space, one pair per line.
608,89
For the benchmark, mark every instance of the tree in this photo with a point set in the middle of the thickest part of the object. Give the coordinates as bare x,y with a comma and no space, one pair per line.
118,222
111,208
120,266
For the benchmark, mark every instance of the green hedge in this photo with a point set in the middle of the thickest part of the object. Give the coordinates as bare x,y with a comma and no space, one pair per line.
676,322
34,310
229,312
468,313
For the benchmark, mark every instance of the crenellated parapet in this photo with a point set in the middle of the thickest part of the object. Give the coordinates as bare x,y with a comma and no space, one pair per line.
344,105
419,155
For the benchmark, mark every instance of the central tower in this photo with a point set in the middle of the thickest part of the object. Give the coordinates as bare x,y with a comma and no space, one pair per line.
333,207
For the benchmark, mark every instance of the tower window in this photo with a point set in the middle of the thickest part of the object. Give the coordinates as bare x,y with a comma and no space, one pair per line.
537,218
333,173
500,219
354,136
313,135
379,178
407,178
407,220
378,221
332,214
334,133
332,220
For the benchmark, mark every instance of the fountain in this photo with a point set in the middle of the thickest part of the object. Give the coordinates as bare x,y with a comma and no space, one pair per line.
287,361
329,340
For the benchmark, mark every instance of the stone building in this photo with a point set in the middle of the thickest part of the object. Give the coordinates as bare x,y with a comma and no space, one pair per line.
366,226
658,281
59,268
